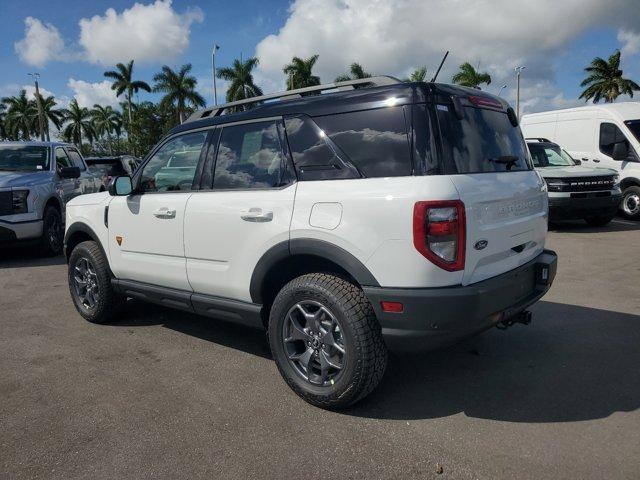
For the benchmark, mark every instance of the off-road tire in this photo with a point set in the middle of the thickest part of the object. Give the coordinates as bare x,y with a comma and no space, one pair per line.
365,351
109,303
52,239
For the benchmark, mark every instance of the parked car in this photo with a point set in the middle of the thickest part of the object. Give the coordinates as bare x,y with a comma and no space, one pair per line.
397,215
575,191
108,168
599,135
37,179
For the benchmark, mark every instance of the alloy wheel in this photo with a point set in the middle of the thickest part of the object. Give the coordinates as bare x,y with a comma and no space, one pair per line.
313,343
631,204
85,283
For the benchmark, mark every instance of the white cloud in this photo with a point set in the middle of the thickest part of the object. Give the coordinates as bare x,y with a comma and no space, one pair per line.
391,36
145,33
630,42
41,43
88,94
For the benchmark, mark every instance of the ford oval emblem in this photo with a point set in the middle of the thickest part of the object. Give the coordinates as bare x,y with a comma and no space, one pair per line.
481,244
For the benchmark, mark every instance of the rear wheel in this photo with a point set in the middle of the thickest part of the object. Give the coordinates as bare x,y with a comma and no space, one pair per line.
599,220
630,204
52,232
326,340
90,284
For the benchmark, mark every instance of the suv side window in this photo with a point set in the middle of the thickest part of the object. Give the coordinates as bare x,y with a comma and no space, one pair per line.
315,156
250,156
76,159
610,135
374,141
173,167
62,160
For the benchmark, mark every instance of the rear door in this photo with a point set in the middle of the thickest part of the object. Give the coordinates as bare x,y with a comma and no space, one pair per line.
88,182
505,202
244,209
146,228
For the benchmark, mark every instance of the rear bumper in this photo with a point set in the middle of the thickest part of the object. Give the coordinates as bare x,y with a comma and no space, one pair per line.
15,232
573,208
434,317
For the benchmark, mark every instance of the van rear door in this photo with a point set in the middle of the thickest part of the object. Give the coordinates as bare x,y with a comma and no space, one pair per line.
505,200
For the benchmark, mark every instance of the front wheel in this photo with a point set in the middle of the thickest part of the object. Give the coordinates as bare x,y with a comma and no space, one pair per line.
52,232
90,284
630,204
326,340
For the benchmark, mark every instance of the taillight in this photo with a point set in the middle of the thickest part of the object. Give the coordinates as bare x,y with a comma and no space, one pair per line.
439,233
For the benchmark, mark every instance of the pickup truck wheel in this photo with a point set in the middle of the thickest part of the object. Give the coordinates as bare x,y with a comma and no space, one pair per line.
599,221
52,232
90,284
630,204
326,340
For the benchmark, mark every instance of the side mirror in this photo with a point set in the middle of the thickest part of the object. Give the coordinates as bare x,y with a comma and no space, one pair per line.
577,162
69,172
121,186
620,151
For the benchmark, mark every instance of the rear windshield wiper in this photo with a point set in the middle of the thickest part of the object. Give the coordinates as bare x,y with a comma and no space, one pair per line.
508,160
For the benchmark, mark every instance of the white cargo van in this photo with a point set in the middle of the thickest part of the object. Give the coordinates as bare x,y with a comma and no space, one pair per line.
600,136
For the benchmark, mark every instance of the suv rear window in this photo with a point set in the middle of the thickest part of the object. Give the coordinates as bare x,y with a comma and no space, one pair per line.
483,141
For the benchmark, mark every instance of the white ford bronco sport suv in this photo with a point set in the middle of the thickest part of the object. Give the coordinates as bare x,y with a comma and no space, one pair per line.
377,215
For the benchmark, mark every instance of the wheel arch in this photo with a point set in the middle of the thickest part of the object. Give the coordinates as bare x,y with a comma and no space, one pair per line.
53,201
288,260
629,182
77,233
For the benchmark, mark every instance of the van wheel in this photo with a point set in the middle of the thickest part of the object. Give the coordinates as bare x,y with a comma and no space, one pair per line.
599,221
326,340
90,284
52,232
630,204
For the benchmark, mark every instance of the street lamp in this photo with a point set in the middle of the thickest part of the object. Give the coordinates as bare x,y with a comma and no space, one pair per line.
502,88
35,76
215,48
518,70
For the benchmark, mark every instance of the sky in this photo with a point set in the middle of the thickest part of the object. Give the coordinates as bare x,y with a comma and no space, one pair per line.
71,43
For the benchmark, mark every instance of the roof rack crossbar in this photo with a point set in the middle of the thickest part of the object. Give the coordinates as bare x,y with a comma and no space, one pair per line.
218,110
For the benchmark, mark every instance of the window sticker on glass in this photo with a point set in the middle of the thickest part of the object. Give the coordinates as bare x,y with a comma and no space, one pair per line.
444,108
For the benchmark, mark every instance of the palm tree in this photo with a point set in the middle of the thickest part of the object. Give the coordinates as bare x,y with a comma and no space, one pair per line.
605,80
51,114
300,72
79,122
241,80
124,83
355,72
180,89
468,76
21,117
105,121
3,131
418,75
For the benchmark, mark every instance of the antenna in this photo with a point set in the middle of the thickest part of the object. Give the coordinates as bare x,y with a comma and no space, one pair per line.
441,63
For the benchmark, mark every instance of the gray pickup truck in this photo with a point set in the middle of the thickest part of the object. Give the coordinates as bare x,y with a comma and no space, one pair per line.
37,179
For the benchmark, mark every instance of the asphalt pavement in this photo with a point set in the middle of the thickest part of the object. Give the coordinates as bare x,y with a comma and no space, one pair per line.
164,394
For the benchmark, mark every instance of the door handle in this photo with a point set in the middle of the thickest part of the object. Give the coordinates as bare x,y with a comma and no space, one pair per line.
584,159
596,160
256,215
164,212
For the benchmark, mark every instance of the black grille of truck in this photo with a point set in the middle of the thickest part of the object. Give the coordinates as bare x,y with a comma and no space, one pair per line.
587,184
6,203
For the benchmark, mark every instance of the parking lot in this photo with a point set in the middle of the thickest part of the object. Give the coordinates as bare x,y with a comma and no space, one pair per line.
163,394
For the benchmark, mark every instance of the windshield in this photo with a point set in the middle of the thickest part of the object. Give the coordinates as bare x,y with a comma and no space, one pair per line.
634,126
549,156
24,158
483,141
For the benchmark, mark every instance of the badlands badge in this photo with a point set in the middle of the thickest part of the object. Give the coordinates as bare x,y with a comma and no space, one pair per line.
119,239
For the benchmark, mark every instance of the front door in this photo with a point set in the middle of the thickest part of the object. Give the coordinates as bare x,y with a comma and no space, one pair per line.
146,237
246,209
67,188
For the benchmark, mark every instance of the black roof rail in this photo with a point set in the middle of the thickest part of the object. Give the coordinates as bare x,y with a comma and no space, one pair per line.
539,139
218,110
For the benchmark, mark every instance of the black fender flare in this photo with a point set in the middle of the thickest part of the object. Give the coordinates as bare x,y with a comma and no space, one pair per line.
84,228
308,246
628,182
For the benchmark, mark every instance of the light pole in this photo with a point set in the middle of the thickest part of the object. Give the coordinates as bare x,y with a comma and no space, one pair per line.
35,76
518,70
502,88
213,67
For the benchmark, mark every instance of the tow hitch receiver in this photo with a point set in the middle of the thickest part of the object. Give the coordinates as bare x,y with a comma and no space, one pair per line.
523,317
